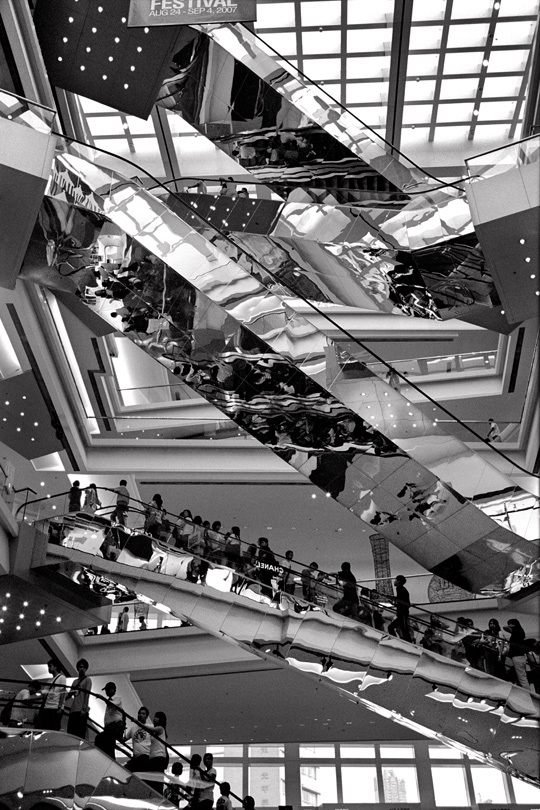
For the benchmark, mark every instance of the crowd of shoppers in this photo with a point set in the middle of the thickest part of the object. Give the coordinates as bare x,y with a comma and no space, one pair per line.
257,566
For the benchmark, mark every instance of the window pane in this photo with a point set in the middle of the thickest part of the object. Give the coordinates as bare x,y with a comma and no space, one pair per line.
269,751
400,784
489,785
231,774
449,786
397,751
226,750
318,785
317,751
525,793
353,751
359,784
267,785
443,752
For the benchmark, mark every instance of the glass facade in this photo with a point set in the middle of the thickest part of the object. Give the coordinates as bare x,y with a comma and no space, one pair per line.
413,775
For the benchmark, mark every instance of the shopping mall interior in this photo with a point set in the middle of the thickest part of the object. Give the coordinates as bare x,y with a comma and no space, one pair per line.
258,264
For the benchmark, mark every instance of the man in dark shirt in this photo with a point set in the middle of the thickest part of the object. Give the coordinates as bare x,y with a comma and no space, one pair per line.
267,567
348,605
403,601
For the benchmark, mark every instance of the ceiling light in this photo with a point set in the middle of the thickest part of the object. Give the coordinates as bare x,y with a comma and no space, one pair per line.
139,49
59,58
527,259
94,30
522,241
475,112
58,618
117,39
64,39
82,67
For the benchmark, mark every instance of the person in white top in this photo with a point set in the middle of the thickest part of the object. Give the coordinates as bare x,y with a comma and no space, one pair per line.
50,716
159,758
206,798
113,722
140,741
23,712
123,621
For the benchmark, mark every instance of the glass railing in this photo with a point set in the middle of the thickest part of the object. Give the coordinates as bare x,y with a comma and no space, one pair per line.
505,158
465,364
186,551
25,112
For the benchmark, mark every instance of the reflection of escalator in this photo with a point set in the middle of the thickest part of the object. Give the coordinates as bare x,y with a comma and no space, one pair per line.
341,182
228,333
423,690
225,345
48,769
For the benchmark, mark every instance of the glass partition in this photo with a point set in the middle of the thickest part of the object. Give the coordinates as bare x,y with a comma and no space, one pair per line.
25,112
498,161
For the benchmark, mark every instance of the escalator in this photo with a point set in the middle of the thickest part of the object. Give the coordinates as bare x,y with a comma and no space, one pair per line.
431,692
352,207
49,769
222,324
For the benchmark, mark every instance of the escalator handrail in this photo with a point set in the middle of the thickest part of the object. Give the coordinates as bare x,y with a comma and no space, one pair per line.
245,543
434,621
127,716
349,336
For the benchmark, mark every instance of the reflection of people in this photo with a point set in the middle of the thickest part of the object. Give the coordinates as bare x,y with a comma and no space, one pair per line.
392,378
494,433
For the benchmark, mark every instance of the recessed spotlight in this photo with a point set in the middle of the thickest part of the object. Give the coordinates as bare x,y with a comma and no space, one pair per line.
36,424
58,618
111,58
139,49
42,612
475,112
117,39
146,30
132,68
104,77
6,402
18,627
70,19
64,39
38,624
25,604
94,30
126,86
59,58
124,19
22,412
83,67
527,259
522,241
88,49
485,62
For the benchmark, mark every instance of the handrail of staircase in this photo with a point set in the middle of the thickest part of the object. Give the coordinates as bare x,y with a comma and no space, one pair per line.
127,716
349,336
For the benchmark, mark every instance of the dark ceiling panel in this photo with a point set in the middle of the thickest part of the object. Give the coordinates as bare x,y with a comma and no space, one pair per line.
88,49
25,420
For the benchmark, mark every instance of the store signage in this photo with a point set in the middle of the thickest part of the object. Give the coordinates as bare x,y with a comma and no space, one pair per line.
144,13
